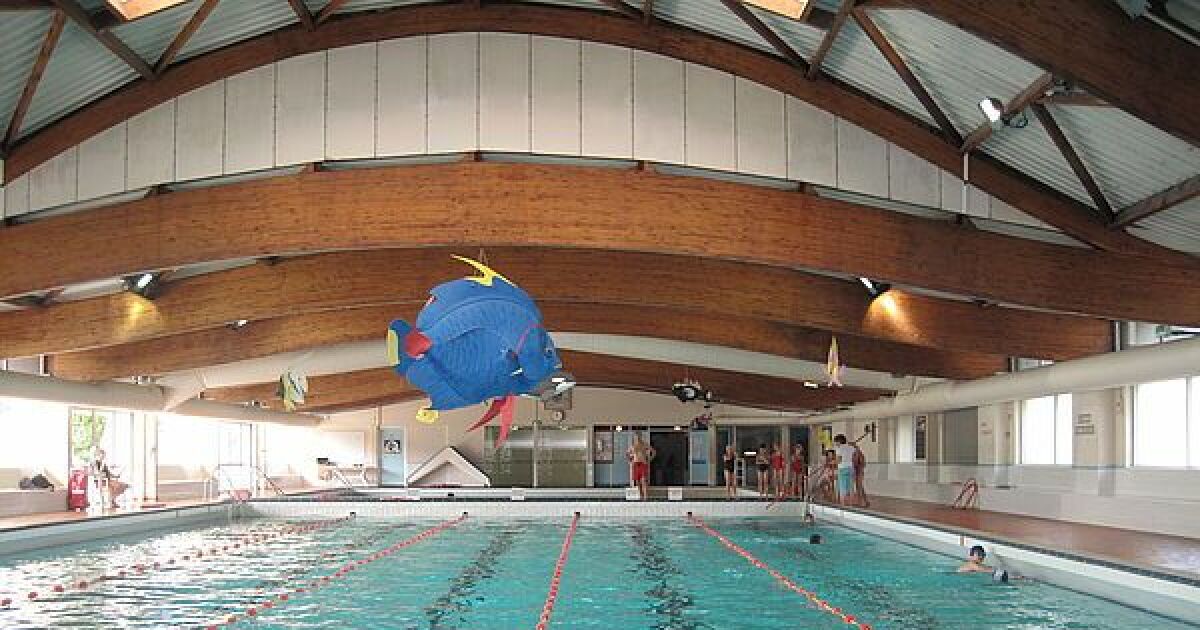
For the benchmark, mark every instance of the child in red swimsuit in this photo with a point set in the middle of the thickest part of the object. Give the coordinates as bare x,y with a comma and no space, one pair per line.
777,470
799,483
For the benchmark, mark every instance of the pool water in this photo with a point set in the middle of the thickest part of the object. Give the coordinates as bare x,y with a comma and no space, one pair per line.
494,574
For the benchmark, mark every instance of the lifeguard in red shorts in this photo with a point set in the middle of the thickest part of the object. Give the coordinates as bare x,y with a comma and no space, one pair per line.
640,454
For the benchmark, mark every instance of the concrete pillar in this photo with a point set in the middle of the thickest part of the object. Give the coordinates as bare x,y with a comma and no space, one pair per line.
1096,422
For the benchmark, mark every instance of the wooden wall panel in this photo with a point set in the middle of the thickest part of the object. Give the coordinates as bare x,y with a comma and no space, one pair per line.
401,128
734,289
504,68
200,132
761,130
300,109
102,160
350,102
862,160
305,331
487,202
55,182
453,92
709,119
607,88
151,153
556,67
812,143
657,108
250,121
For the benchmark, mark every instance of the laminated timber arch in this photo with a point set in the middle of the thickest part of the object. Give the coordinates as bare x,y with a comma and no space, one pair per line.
486,203
656,36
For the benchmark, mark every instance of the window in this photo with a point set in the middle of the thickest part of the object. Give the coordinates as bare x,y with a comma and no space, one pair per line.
1046,430
1161,432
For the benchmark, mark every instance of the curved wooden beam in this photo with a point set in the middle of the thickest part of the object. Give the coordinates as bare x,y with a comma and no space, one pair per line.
727,288
491,203
1130,62
896,126
366,388
312,330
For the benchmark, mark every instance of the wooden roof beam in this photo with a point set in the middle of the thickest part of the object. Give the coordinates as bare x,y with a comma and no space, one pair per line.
1032,93
53,33
839,18
1073,159
766,32
25,5
106,38
184,35
328,10
303,14
624,9
1183,191
914,84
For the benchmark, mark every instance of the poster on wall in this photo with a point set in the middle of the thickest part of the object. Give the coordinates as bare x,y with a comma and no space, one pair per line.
825,437
920,428
603,447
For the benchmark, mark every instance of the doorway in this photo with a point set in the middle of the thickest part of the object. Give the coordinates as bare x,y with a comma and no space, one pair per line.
670,465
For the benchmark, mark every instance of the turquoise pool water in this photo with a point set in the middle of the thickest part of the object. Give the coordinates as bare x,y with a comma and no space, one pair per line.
490,574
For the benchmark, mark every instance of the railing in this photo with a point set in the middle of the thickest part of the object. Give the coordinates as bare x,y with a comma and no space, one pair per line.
968,497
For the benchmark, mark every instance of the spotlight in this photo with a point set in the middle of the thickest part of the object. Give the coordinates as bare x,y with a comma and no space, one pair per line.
678,428
992,108
874,289
811,385
146,285
239,324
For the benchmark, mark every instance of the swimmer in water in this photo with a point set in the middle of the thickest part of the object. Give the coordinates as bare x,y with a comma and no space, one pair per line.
975,561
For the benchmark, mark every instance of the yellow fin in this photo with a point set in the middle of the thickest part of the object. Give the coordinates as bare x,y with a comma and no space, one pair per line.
393,347
425,415
488,274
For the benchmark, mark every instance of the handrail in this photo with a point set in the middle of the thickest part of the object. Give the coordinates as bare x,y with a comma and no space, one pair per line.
968,497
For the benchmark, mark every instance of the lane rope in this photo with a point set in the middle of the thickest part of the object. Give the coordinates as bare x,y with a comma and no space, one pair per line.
141,568
552,596
325,580
781,578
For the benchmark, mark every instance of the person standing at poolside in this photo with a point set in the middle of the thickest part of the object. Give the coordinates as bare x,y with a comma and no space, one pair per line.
778,470
845,469
640,454
762,462
730,463
859,460
799,471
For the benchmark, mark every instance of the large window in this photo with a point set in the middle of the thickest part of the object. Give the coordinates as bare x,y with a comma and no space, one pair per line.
1166,423
1046,430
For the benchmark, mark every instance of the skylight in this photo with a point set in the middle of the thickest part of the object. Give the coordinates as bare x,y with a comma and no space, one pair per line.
794,9
134,9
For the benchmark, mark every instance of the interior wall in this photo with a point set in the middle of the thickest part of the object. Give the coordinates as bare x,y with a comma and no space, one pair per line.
1098,488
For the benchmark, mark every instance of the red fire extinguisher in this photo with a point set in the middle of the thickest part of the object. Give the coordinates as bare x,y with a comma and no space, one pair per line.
77,490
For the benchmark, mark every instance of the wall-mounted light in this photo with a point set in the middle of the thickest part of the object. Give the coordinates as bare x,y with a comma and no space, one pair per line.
811,385
241,323
874,289
993,111
146,285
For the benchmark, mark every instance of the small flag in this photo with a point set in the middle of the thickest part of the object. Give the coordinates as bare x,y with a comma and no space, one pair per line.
833,365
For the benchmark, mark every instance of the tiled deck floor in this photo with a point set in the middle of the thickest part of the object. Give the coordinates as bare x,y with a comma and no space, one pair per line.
66,516
1172,554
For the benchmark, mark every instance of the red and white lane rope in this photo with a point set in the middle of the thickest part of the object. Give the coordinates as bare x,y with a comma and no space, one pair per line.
781,578
325,580
552,596
120,572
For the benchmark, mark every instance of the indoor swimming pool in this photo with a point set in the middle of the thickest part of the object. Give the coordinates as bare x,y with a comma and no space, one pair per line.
484,573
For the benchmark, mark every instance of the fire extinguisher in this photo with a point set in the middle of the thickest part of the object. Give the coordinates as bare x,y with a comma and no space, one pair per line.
77,490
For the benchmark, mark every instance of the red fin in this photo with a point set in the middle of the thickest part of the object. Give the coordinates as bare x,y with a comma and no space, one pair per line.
492,412
507,407
416,343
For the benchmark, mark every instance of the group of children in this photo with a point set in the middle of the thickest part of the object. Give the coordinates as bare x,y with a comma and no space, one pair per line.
838,478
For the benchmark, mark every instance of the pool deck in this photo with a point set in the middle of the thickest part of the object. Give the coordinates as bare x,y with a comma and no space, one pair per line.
1155,552
70,516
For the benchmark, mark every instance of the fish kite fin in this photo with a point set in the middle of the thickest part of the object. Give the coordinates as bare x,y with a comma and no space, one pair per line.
487,274
833,365
396,333
504,408
425,415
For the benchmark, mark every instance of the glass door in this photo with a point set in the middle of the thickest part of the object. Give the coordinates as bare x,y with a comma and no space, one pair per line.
393,466
235,456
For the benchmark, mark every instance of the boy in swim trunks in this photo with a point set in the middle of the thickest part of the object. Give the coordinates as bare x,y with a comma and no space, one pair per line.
640,453
845,469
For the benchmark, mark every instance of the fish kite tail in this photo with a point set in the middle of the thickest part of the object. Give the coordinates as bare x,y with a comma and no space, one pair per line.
504,408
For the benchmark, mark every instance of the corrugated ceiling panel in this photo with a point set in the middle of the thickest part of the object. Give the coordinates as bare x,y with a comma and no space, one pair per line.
582,4
955,67
23,34
1128,158
80,71
802,37
855,60
1177,228
235,20
151,35
371,5
1031,151
712,17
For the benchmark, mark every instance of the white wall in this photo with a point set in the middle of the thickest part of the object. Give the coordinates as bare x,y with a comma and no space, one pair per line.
1098,488
35,441
486,91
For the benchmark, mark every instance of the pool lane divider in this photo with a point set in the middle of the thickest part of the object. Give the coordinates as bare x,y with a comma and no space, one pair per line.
121,572
341,573
552,595
787,582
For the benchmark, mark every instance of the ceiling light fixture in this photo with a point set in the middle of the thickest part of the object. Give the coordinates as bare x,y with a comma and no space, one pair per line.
874,289
146,285
997,117
240,323
811,385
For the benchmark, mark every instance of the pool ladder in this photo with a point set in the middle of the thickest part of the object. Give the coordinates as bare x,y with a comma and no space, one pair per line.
968,497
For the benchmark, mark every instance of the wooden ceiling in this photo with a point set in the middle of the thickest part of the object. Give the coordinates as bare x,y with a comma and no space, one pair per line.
348,390
1122,78
488,203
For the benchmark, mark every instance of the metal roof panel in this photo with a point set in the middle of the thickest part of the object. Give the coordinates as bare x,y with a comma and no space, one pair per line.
236,20
712,17
150,36
24,32
855,60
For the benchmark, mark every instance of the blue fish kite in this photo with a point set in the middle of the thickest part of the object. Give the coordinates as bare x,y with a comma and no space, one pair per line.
476,338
